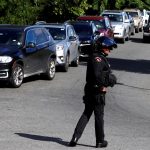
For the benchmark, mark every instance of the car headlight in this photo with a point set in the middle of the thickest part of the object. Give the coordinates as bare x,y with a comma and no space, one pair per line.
87,42
5,59
60,50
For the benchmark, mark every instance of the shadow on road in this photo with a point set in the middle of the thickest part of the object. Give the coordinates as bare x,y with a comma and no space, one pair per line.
49,139
43,138
137,66
136,40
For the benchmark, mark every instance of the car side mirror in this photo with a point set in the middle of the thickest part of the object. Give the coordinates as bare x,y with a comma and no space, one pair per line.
72,38
30,47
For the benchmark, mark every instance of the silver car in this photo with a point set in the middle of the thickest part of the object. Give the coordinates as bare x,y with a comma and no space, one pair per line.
67,44
120,23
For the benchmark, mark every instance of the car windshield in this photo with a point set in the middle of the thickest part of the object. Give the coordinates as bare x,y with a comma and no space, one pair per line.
57,33
133,14
83,30
114,17
10,37
99,24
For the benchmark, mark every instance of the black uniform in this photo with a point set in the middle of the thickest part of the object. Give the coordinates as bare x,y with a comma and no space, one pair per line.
98,75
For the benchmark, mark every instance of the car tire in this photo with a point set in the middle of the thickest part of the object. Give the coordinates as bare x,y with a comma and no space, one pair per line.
137,30
123,40
17,75
51,69
75,63
141,29
128,37
65,67
133,33
144,39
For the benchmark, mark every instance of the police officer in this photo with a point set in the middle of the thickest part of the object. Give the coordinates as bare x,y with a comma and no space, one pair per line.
98,78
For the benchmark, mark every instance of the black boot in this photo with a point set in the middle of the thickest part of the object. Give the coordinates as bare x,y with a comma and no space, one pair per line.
101,144
73,142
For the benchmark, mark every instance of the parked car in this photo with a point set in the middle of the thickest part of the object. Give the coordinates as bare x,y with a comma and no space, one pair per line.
102,23
87,32
120,23
25,51
145,17
146,31
138,21
132,28
67,44
148,12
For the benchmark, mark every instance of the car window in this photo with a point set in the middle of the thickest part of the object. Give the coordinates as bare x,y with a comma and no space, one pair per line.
107,22
57,33
126,17
10,37
30,37
40,36
99,24
133,14
70,31
83,29
48,36
114,17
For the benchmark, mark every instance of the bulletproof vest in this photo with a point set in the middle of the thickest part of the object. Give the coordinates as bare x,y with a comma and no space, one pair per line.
90,77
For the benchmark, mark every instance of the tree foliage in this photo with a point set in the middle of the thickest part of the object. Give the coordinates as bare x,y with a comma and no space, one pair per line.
30,11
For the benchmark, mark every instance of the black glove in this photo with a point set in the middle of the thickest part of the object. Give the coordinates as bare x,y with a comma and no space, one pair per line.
112,80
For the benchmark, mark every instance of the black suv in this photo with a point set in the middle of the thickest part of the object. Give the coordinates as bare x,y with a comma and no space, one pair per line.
87,32
25,51
146,32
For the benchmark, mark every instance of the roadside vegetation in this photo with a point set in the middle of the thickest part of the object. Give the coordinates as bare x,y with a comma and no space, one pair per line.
30,11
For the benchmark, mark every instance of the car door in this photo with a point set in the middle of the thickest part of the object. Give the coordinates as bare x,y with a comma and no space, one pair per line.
72,39
43,51
36,59
126,24
30,59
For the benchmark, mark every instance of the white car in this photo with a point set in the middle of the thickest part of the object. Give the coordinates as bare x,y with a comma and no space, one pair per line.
120,24
136,15
145,17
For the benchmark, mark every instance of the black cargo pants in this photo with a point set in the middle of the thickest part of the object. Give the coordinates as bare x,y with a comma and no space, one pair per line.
94,103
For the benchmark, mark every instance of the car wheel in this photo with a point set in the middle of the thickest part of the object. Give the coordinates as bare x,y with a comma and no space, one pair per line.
123,40
137,30
133,33
128,37
144,39
17,76
75,63
141,29
51,69
66,65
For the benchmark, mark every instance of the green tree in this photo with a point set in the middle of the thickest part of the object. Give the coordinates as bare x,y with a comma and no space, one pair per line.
17,12
29,11
58,11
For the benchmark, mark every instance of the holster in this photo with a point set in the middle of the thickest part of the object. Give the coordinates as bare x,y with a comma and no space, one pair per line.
100,99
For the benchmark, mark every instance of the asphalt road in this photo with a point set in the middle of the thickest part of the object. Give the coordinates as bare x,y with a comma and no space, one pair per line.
41,115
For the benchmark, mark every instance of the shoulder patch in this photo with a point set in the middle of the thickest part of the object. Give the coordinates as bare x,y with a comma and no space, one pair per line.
98,59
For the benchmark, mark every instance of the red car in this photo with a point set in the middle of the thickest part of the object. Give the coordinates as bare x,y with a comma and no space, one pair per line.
102,23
